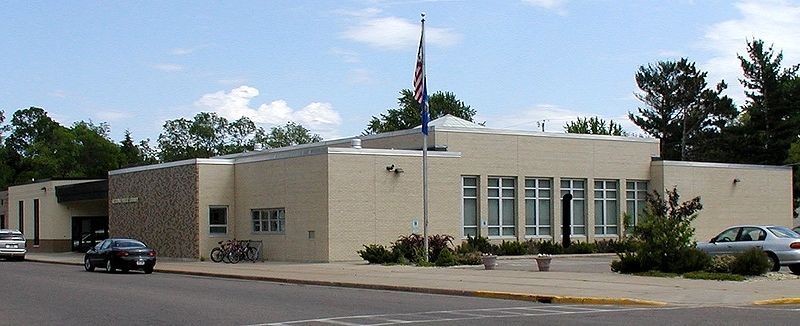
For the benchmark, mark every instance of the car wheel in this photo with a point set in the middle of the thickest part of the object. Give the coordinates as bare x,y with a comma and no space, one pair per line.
109,267
87,265
148,270
776,264
795,268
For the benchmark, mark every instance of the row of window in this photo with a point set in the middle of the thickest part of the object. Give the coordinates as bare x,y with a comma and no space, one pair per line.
266,220
501,201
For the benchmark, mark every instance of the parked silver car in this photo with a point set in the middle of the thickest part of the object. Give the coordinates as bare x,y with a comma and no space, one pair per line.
781,244
12,244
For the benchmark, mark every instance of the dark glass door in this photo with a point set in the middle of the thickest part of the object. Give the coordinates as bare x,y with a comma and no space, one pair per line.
87,231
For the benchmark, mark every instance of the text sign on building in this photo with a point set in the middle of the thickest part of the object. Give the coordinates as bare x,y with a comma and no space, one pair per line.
125,200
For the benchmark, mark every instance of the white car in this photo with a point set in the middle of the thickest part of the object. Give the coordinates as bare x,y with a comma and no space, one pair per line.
781,244
12,244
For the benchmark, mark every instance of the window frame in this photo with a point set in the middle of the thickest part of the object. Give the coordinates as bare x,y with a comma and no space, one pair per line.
279,219
638,200
571,190
605,201
500,198
212,226
537,199
464,198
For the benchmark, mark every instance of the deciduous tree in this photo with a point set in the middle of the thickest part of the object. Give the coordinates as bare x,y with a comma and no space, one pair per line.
408,116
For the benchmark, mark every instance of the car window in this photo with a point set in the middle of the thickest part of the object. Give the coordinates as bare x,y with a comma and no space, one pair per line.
105,244
728,235
11,236
783,232
752,234
128,244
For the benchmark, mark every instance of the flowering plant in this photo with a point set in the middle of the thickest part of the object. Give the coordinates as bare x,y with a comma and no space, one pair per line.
543,256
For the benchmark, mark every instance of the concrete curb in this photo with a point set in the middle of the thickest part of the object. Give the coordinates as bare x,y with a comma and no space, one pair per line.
777,301
463,293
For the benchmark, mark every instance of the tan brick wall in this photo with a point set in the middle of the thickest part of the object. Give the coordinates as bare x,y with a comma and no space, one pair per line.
216,189
165,215
763,195
300,185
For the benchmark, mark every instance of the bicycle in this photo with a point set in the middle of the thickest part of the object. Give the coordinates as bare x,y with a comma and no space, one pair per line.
221,253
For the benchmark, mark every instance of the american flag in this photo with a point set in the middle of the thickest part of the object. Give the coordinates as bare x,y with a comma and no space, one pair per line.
420,84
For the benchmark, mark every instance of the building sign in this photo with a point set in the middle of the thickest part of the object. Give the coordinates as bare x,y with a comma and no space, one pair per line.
125,200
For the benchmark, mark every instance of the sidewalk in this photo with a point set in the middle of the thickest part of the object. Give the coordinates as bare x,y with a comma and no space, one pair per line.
581,279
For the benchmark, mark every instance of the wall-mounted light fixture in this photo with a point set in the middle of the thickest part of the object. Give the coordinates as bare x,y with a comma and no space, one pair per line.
736,180
392,168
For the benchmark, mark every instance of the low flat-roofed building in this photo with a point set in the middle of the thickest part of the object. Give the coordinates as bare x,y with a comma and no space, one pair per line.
324,201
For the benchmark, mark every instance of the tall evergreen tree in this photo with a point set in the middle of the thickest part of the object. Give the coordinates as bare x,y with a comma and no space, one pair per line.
407,115
679,108
594,126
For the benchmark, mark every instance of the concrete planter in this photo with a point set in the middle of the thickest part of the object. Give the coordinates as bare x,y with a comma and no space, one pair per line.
543,263
489,261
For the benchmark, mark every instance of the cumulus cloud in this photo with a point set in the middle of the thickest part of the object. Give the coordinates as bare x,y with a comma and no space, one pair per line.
554,5
168,67
393,33
552,116
318,117
776,22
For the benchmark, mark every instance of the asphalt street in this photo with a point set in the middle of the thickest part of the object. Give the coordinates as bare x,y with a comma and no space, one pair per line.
49,294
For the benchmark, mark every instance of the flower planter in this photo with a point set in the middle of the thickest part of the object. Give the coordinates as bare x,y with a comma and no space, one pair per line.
489,261
543,263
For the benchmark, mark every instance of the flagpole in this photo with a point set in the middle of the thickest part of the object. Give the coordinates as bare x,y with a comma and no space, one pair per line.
425,153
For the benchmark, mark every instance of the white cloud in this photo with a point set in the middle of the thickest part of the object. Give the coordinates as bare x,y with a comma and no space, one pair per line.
395,33
775,22
111,116
168,67
318,117
554,5
554,118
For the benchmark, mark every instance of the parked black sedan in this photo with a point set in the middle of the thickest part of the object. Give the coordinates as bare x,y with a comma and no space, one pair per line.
122,254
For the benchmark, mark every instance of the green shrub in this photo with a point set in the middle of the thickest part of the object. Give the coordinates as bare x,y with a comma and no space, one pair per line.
469,258
512,248
700,275
479,244
656,274
437,244
628,263
721,264
751,262
446,258
626,244
688,260
412,247
576,247
549,247
377,254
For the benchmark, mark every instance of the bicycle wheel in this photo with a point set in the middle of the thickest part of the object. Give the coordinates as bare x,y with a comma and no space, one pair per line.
235,256
217,255
252,254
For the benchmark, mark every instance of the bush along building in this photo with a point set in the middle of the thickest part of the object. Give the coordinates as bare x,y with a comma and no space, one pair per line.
321,202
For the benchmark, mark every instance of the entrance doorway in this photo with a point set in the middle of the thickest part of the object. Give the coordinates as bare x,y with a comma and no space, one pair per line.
87,231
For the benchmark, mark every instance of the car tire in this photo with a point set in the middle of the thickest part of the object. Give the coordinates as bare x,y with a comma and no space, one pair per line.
795,268
87,265
776,264
148,270
109,266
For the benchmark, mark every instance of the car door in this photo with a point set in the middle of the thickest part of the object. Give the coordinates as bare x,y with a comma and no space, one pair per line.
98,257
750,237
723,244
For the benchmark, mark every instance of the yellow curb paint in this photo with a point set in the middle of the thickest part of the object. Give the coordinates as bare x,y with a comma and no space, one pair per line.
565,299
778,301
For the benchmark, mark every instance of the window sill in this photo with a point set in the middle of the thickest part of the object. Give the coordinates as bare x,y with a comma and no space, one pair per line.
268,233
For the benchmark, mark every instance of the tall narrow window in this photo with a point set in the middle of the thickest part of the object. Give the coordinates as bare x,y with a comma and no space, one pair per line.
606,211
636,191
576,187
537,207
21,216
218,220
469,194
501,206
35,222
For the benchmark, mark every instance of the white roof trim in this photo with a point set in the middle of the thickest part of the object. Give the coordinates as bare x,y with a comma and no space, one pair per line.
210,161
390,152
724,165
547,134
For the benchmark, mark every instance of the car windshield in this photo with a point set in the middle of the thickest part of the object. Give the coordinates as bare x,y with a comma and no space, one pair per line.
782,232
129,244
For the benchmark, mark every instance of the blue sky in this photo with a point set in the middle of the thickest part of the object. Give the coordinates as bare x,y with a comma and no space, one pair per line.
331,65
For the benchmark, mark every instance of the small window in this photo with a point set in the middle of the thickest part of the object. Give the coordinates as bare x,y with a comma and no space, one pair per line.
218,220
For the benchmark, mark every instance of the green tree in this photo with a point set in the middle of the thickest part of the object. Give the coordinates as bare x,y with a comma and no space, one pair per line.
288,135
771,117
39,147
96,152
594,126
679,108
407,115
130,153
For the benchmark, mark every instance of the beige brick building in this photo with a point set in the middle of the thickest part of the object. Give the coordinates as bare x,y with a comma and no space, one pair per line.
322,202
